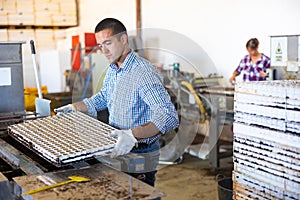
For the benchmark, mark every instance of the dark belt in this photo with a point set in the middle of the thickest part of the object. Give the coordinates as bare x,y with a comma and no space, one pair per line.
143,145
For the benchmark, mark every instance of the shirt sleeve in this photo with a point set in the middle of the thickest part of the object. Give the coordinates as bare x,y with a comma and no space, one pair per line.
164,115
240,68
268,63
98,101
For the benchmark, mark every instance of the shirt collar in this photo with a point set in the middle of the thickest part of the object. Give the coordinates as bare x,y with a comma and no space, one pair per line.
126,65
261,58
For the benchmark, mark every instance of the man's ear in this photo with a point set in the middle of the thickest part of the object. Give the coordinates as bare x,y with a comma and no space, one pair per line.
124,39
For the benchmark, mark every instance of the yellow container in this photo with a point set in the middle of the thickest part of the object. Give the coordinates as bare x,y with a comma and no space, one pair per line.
29,97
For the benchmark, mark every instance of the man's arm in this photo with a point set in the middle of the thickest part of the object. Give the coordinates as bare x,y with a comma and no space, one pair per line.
145,131
164,116
96,102
80,106
88,105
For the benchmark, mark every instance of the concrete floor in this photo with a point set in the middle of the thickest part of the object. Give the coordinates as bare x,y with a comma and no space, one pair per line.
192,179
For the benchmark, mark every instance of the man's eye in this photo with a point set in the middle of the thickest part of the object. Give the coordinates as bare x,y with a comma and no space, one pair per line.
107,43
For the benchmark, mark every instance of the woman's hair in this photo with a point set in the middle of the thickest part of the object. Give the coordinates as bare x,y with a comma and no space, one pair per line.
252,43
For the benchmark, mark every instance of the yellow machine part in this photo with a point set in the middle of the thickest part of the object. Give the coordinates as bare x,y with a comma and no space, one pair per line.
29,97
197,98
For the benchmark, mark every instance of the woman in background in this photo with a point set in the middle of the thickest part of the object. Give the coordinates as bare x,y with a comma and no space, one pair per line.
254,65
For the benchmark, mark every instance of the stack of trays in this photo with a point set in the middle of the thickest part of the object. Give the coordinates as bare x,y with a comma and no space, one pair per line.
267,140
65,138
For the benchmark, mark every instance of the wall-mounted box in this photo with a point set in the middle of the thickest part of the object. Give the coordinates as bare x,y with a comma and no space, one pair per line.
283,49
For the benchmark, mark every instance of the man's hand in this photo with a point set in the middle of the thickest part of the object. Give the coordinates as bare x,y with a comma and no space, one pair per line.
65,109
125,142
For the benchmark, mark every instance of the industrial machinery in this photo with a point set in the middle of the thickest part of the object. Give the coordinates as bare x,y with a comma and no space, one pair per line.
11,83
204,108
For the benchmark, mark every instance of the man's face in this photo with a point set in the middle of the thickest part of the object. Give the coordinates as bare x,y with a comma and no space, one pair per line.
110,45
252,52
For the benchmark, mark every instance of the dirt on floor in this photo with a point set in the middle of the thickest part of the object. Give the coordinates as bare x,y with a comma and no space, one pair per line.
192,179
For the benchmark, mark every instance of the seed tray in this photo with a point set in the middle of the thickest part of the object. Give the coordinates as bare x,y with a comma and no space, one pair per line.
65,138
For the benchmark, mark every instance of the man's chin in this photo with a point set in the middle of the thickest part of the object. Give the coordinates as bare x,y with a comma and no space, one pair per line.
110,60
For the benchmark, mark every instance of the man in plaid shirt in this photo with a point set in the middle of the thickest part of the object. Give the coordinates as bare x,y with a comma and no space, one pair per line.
138,104
254,65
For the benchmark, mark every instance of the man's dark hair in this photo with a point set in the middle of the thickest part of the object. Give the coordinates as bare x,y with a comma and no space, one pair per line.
252,43
113,24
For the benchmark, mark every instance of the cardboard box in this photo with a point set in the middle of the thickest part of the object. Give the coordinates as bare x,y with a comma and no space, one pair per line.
21,19
26,2
45,39
3,35
51,8
64,20
25,6
2,10
59,34
44,34
43,19
10,6
55,1
68,6
43,1
20,35
3,19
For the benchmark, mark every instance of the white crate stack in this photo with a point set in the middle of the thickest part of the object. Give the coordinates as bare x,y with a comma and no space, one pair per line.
267,140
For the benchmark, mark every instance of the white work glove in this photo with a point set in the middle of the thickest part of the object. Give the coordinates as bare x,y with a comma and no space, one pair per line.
126,141
65,109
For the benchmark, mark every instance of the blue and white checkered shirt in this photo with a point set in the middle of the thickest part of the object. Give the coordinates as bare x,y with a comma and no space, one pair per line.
134,95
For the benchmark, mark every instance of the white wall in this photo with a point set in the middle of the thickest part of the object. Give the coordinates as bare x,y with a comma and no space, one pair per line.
220,27
93,11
